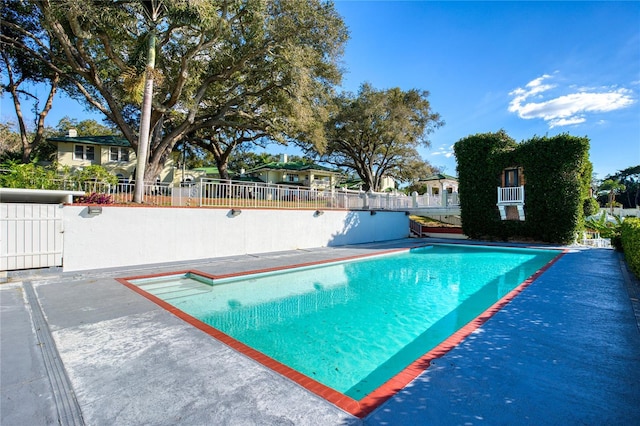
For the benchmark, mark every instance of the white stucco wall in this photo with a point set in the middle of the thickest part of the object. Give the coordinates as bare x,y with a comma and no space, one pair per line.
125,236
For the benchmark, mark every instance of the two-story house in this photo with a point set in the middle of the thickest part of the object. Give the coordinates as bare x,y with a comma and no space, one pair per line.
113,153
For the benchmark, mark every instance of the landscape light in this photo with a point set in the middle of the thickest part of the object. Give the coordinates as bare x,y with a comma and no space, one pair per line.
94,210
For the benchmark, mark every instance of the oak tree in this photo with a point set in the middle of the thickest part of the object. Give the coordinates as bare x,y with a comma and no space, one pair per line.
220,65
376,133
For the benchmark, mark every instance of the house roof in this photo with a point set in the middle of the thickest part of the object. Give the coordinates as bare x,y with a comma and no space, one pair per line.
439,176
207,170
297,166
352,183
94,140
248,179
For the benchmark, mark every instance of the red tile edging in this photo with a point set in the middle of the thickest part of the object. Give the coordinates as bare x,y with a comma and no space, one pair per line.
398,382
376,398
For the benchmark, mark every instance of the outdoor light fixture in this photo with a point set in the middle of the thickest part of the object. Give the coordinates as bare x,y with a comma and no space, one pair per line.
94,210
234,212
318,213
372,212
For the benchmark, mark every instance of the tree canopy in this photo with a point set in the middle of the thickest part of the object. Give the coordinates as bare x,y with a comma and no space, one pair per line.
258,67
21,24
376,133
627,192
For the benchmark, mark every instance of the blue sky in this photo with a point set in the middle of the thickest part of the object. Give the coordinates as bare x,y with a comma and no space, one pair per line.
530,68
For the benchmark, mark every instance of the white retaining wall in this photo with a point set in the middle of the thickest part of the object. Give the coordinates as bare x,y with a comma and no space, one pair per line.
125,236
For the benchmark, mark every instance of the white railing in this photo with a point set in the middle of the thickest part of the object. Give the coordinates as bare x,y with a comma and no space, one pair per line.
230,193
321,183
511,195
159,194
620,212
592,238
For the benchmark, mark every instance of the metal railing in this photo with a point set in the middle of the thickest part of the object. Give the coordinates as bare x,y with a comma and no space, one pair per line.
511,195
229,193
158,194
220,193
620,212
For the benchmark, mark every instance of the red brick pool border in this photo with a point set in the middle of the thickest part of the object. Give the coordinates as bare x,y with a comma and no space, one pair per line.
376,398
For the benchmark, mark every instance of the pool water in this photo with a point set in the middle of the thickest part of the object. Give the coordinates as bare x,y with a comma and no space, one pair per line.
354,325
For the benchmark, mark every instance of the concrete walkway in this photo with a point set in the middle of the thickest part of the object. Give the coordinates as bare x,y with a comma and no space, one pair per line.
84,349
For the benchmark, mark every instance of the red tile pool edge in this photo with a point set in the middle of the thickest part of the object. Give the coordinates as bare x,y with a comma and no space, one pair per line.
376,398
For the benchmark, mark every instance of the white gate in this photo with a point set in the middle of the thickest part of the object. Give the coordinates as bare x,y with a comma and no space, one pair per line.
30,236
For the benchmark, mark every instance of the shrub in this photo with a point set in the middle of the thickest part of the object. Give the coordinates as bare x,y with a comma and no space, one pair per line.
630,236
94,198
591,206
93,173
29,175
602,224
14,174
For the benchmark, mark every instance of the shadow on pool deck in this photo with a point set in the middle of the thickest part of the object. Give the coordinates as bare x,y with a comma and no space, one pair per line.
566,350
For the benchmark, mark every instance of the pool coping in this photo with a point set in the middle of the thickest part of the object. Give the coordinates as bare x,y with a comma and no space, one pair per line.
365,406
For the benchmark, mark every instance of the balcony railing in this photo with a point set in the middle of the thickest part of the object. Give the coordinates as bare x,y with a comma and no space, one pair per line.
511,195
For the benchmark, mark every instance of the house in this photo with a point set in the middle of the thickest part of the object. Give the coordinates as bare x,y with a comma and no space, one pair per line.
191,176
113,153
386,184
286,172
439,184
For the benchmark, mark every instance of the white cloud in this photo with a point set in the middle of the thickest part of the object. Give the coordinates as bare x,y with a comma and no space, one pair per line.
447,151
566,109
566,121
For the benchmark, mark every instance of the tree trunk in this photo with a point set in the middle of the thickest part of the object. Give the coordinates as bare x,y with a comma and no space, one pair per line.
222,169
145,121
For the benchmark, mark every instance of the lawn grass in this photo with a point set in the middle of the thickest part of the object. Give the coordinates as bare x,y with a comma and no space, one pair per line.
427,221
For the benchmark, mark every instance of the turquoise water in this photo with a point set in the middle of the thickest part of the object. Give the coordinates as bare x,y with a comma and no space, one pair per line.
354,325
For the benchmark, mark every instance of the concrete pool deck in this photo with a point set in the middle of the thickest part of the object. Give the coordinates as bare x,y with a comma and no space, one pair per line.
81,348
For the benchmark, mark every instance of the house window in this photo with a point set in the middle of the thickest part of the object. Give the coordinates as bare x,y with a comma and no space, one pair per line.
83,152
119,154
292,178
511,178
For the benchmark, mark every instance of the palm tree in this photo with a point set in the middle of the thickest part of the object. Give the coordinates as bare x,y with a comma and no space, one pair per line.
613,187
153,11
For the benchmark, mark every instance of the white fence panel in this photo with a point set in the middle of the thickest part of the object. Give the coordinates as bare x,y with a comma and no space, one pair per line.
30,236
622,212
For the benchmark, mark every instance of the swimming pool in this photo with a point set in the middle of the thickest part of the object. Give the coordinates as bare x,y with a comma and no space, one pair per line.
353,326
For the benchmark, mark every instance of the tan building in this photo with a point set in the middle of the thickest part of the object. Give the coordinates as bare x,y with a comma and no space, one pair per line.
286,172
113,153
440,183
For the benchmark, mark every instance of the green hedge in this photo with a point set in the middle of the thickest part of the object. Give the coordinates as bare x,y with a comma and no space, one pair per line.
630,235
557,171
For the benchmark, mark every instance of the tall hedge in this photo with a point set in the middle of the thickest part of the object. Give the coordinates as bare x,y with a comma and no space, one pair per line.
630,235
557,171
478,177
